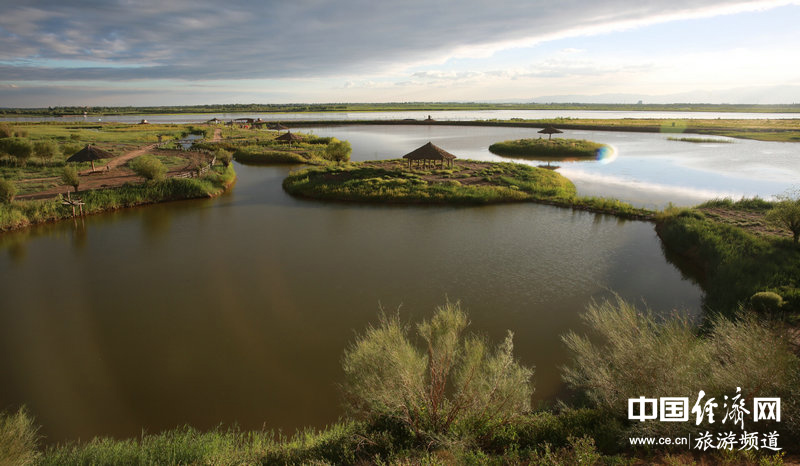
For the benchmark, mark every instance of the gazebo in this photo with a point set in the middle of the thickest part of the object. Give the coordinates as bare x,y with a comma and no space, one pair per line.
551,131
430,153
289,137
90,154
278,126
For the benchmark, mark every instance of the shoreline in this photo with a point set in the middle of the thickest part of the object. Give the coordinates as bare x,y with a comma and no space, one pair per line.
50,210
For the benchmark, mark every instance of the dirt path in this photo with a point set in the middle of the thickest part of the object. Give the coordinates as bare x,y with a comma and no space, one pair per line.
117,161
217,135
111,175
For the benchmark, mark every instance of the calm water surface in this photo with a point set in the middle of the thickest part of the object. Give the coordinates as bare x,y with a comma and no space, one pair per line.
238,309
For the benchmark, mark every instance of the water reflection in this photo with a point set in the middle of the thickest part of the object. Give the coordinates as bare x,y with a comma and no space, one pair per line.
237,309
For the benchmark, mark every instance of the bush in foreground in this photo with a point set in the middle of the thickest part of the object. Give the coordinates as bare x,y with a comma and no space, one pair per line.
18,439
639,355
450,388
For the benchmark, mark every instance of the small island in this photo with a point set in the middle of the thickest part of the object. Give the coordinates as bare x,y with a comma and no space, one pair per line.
467,182
550,149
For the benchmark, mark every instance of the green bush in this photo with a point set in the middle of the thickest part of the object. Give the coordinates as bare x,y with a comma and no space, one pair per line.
7,191
19,148
766,301
451,387
69,175
223,156
46,150
636,355
338,151
786,214
148,167
18,439
6,131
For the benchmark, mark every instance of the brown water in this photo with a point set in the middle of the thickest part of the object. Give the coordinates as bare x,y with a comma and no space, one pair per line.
237,309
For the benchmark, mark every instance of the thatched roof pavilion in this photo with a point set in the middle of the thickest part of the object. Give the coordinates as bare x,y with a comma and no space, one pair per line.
90,154
430,153
278,126
289,137
551,130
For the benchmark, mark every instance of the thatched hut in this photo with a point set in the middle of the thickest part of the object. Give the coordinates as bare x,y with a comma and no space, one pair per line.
90,154
289,137
551,130
278,127
427,156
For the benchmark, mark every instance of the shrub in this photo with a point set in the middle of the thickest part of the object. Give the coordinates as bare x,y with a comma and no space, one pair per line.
338,151
6,131
69,175
786,213
640,356
7,191
45,150
224,156
454,382
18,439
19,148
766,301
149,168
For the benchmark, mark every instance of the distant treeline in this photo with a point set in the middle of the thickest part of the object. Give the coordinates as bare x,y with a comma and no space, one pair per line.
393,106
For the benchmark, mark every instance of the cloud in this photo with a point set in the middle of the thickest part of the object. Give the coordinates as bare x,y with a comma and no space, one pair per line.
210,40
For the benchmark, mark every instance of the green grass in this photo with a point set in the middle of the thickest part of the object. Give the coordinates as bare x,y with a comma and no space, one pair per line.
753,204
732,263
20,214
263,155
361,182
548,149
390,182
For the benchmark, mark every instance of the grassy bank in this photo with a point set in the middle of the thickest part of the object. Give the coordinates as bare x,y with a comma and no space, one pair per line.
734,259
20,214
468,182
549,149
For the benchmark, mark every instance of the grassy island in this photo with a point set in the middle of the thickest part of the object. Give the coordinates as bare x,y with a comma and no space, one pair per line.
468,182
549,149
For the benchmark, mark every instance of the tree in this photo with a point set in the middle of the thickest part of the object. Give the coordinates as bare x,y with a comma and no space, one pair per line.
149,168
338,151
69,175
454,380
45,150
786,213
7,191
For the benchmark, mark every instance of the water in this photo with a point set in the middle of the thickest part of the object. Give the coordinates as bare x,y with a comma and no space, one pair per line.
442,115
647,169
238,309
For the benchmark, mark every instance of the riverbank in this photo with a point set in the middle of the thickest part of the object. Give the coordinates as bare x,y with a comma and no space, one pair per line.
735,254
21,214
467,182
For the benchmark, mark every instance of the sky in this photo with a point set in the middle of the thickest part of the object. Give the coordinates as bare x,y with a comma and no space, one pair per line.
192,52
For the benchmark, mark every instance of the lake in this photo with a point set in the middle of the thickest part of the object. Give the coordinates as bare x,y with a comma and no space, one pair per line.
238,309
